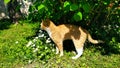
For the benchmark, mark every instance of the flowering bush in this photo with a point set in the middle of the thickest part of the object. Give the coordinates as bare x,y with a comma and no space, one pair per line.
41,46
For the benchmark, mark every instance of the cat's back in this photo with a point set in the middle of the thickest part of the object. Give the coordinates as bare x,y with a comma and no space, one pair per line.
67,26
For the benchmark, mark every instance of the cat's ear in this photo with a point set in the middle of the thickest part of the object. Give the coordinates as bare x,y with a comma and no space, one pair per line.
48,20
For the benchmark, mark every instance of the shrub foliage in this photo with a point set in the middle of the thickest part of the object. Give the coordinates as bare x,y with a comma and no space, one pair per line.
100,17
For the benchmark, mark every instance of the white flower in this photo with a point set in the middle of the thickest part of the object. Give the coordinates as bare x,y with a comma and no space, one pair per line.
35,50
29,61
33,45
48,40
46,48
117,26
29,43
41,35
16,42
40,31
34,40
53,50
36,37
42,54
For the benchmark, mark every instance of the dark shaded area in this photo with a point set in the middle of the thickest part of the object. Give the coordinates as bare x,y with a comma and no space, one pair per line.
14,11
4,24
108,50
104,49
68,45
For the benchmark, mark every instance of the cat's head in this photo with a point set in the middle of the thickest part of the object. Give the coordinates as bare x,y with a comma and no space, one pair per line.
45,24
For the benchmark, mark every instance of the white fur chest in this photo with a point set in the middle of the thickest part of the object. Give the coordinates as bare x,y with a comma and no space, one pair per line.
49,32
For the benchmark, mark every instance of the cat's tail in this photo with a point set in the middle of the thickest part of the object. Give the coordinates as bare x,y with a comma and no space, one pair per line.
92,40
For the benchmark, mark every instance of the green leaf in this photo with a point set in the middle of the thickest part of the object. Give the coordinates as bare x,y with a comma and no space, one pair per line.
106,2
113,39
6,1
40,7
118,45
77,16
73,7
66,6
86,7
66,3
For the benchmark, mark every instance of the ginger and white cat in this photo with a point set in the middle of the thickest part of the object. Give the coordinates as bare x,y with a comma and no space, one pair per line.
65,31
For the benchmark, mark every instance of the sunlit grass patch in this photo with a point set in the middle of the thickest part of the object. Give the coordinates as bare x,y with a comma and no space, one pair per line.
12,42
24,45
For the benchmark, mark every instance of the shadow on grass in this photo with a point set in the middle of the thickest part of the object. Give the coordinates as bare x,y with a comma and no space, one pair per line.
68,45
104,49
4,24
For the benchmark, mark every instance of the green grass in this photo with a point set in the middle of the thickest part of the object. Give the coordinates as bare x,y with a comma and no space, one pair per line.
13,41
15,54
